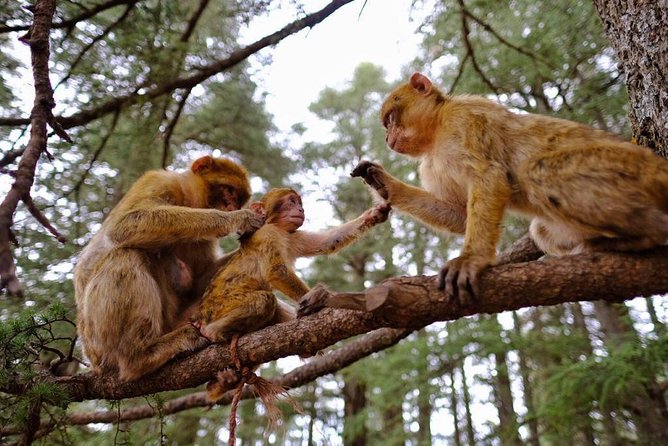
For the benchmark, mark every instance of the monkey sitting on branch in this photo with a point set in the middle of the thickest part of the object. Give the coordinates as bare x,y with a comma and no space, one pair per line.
144,272
586,189
240,298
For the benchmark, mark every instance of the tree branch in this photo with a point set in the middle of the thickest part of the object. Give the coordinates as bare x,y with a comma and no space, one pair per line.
401,302
469,48
38,39
93,42
74,20
313,369
204,73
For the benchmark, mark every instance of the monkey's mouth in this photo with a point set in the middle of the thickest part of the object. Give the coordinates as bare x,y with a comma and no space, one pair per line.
298,219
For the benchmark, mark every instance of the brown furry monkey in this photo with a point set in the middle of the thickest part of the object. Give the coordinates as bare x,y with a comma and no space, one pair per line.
586,189
240,298
150,262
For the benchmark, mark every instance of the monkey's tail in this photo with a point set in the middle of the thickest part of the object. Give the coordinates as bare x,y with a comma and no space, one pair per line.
268,392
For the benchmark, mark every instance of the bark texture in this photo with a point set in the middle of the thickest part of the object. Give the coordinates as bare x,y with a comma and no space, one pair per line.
409,302
37,38
638,31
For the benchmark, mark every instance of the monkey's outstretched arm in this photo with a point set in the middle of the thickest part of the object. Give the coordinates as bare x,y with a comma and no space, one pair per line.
307,244
159,225
419,203
428,209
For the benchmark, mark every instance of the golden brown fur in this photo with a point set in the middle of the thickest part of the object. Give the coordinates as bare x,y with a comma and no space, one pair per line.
240,298
585,189
150,262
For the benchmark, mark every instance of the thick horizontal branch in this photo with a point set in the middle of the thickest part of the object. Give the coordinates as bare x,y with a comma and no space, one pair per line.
315,368
408,302
202,74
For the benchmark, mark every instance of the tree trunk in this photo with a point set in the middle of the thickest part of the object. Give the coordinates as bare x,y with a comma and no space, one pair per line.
457,436
527,386
354,398
424,403
637,31
580,324
659,327
507,417
470,432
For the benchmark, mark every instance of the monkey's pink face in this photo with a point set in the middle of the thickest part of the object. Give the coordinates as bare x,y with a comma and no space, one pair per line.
401,139
408,115
394,132
290,213
400,135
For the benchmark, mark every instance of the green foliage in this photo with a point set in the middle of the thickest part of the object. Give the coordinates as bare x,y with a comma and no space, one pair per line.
546,57
31,345
611,380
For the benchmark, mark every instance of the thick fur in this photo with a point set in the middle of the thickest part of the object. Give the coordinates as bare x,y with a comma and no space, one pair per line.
586,189
240,298
130,314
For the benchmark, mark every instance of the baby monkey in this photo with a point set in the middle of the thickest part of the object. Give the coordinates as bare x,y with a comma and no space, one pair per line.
240,297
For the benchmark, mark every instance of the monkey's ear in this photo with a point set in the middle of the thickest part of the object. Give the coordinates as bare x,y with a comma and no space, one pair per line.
201,165
257,207
421,83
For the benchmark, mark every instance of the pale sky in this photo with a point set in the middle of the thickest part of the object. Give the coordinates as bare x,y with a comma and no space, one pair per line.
326,55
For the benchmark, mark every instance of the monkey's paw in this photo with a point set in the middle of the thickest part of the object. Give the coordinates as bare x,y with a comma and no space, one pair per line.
459,279
252,222
374,175
313,301
377,214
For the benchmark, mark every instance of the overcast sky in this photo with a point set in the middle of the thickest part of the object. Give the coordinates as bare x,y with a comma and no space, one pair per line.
326,55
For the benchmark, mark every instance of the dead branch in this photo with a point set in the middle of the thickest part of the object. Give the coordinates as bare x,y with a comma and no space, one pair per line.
69,23
40,217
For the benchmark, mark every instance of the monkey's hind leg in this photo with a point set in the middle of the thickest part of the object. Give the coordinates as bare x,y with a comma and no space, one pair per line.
253,311
161,350
598,199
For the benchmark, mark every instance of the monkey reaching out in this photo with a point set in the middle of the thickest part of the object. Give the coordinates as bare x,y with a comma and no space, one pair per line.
586,189
145,271
240,298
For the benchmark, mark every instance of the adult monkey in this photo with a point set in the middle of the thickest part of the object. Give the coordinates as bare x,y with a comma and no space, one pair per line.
149,264
586,189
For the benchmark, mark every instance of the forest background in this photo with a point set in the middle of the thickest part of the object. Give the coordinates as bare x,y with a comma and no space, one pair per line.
150,84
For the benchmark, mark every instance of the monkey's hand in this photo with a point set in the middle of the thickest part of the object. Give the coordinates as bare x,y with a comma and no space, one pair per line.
252,221
459,278
313,301
375,176
377,214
